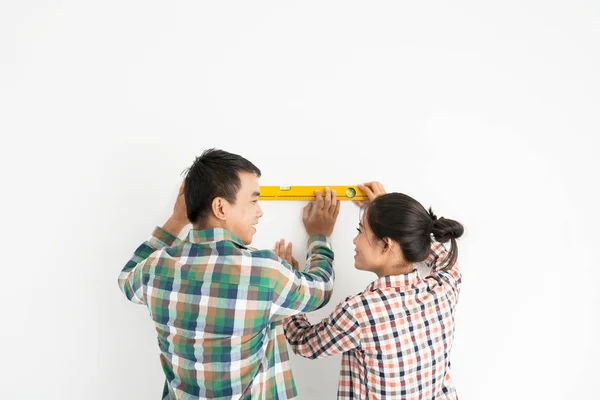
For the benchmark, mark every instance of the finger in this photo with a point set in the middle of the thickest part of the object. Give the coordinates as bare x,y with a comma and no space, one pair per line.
295,264
334,201
288,253
306,211
367,190
327,202
282,249
359,203
276,248
337,209
378,188
318,201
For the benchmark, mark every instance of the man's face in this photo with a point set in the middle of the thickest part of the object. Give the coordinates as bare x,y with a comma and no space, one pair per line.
245,213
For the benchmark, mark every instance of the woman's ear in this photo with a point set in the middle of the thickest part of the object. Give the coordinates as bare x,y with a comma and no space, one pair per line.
392,246
387,244
218,208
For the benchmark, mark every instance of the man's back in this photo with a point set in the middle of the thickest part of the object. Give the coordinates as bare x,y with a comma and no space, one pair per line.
218,305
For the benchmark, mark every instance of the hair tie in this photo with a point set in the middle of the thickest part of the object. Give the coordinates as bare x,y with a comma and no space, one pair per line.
433,221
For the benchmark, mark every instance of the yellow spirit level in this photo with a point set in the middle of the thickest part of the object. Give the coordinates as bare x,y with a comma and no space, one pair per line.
308,192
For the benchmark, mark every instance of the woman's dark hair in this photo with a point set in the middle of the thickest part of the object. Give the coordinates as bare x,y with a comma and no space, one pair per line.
214,174
404,220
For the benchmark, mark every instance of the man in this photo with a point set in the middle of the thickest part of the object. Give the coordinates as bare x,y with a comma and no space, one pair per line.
217,304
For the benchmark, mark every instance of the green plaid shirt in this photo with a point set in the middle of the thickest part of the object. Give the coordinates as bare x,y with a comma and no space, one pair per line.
218,307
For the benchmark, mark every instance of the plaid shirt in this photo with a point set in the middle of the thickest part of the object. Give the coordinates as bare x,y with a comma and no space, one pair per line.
396,336
218,308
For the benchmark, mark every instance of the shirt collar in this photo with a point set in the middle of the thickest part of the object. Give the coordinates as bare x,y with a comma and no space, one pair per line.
403,281
213,235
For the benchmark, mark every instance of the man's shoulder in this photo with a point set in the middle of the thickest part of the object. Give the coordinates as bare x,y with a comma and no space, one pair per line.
265,256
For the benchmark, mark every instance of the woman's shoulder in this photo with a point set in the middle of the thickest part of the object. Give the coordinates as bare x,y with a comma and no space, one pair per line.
361,305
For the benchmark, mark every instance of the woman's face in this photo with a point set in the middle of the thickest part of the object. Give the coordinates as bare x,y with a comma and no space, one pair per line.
367,248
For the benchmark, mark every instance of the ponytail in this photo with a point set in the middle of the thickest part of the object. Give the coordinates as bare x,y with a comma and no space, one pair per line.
444,230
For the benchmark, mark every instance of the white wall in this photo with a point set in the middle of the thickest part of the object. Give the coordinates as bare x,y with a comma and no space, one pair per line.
489,113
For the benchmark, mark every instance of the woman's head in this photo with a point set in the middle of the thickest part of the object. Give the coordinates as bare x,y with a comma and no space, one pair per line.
395,231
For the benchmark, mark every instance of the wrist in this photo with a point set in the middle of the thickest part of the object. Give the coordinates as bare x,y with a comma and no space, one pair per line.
316,231
315,238
174,225
319,233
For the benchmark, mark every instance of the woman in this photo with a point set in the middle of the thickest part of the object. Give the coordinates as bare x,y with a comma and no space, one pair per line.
397,335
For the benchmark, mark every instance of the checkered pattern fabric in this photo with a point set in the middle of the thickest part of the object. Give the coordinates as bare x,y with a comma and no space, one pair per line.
218,308
395,337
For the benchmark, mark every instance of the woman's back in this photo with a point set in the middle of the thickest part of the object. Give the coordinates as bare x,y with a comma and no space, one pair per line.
397,335
407,332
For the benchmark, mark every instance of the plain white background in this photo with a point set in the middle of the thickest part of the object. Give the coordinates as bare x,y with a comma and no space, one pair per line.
487,112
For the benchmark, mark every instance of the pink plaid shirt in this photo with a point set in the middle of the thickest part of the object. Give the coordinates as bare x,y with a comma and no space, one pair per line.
396,336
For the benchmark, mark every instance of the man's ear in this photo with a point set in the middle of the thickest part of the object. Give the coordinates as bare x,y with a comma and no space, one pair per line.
218,208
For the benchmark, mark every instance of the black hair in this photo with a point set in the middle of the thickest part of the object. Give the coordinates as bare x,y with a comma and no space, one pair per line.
404,220
214,174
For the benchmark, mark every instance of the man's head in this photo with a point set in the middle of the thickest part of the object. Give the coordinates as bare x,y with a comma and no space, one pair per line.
221,191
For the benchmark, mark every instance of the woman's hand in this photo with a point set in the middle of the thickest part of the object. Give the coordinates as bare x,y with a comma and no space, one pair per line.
372,190
286,253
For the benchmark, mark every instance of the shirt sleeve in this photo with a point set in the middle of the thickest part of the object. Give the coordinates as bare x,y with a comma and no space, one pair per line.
437,259
295,292
338,333
130,279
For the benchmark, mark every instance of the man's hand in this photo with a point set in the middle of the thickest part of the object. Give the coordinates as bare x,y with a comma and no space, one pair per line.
372,190
286,254
178,219
320,217
179,209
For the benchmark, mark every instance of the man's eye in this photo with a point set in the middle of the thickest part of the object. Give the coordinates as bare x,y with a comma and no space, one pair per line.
358,229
